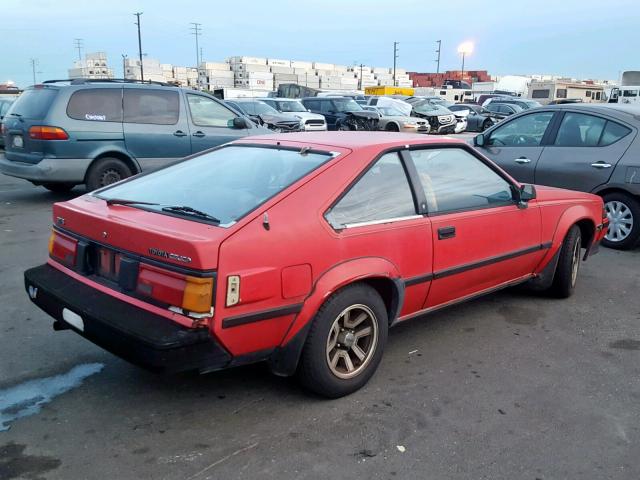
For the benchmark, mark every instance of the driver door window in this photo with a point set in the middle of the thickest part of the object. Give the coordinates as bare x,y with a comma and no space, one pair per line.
207,112
527,130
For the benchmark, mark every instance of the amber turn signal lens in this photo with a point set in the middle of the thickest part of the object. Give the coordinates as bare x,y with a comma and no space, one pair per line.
197,296
52,238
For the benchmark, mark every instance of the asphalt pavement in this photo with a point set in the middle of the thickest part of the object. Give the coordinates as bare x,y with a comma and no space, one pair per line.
511,386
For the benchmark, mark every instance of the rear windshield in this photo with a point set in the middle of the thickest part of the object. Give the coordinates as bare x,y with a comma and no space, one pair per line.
34,103
226,183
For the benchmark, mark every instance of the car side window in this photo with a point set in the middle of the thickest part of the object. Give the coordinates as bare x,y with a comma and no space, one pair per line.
612,133
157,107
579,130
382,193
527,130
208,113
326,107
453,180
311,105
96,105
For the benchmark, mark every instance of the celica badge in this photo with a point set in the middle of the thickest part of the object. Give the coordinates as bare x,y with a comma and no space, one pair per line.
171,256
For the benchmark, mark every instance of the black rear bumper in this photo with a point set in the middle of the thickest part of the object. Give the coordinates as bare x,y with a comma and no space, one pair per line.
135,334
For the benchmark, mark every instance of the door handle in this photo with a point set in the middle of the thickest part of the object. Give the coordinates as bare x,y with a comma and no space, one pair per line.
446,232
198,134
179,133
601,165
522,160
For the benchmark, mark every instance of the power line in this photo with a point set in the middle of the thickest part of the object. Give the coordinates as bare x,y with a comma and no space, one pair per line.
77,43
196,29
34,63
137,15
395,58
439,42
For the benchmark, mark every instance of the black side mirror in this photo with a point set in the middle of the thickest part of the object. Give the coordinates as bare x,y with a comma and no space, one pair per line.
478,140
239,123
524,194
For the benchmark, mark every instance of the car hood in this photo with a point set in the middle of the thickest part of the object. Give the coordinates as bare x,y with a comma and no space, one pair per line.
364,115
307,115
273,118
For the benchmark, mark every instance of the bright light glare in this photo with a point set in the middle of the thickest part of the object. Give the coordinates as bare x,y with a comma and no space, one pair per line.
465,48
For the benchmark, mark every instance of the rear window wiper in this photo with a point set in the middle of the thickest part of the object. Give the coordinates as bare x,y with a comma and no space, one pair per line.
191,211
122,201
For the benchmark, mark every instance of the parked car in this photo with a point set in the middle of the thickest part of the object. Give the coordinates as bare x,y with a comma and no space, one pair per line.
587,147
478,118
342,113
523,103
501,111
266,115
5,103
311,122
302,250
392,120
441,120
63,133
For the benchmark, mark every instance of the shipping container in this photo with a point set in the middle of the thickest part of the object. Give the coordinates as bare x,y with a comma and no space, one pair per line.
387,90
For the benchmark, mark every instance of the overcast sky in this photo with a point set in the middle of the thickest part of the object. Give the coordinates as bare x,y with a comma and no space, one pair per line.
584,39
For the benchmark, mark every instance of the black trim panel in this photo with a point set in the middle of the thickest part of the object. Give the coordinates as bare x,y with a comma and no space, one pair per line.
470,266
489,261
262,315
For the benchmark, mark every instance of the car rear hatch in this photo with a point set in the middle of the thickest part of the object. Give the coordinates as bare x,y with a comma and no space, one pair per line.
22,142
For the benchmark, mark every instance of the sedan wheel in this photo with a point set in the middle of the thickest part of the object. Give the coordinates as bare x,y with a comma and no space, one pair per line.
623,212
620,221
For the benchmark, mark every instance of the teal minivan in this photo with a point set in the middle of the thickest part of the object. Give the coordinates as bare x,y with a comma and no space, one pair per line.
63,133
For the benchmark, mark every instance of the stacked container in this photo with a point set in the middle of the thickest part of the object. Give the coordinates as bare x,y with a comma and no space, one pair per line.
215,75
251,72
94,65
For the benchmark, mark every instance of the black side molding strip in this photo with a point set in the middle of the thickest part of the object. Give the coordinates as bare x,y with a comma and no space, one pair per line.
262,315
470,266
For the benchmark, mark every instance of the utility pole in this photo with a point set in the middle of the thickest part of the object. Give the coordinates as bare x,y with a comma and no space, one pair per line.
137,14
360,86
395,58
439,42
196,29
34,62
124,65
77,42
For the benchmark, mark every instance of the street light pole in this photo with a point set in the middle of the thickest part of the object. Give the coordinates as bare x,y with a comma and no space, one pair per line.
462,72
137,14
439,42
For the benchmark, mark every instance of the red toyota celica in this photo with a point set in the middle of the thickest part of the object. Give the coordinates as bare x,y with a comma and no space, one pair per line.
302,250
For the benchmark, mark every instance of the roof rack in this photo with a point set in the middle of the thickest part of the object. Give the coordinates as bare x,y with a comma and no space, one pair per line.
82,81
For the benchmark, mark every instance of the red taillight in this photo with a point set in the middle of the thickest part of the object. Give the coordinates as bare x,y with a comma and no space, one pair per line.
41,132
191,294
63,248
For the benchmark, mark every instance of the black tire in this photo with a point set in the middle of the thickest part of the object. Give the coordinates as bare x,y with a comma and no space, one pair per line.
633,208
486,124
106,171
314,372
564,280
343,127
59,187
392,127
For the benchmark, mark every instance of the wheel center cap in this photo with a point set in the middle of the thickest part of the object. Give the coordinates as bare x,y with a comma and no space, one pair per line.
347,339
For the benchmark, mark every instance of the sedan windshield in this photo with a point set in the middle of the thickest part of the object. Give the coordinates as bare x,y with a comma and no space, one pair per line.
391,112
291,107
346,105
218,187
257,108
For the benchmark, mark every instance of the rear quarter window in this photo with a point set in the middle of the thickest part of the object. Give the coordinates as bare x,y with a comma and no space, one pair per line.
96,105
34,103
612,133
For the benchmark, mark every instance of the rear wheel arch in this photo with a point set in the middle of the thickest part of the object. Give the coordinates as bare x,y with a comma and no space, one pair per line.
130,162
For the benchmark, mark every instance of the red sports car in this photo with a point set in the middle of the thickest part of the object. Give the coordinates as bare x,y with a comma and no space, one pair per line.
302,250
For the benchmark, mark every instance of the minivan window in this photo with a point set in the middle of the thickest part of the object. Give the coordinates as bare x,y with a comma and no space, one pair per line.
208,113
226,183
96,104
158,107
34,103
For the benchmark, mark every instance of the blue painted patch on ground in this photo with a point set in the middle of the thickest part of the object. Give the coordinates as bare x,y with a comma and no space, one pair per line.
29,397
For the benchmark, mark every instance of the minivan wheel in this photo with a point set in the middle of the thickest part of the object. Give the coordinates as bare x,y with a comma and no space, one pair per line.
106,171
623,212
58,187
566,276
345,343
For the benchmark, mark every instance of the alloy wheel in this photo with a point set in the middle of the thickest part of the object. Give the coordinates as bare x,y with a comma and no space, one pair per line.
620,221
575,262
352,341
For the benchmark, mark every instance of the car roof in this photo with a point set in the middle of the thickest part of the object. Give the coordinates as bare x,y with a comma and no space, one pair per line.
622,111
280,99
354,140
